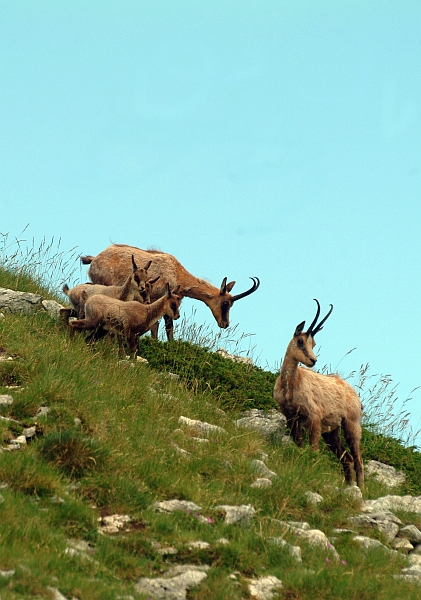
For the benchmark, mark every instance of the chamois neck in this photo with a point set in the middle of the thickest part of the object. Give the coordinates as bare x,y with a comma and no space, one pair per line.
288,374
196,288
126,288
155,310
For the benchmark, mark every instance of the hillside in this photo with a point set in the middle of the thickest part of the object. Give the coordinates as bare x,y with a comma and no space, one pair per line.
103,437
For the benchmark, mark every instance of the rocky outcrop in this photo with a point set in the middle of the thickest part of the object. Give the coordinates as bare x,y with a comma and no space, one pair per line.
25,303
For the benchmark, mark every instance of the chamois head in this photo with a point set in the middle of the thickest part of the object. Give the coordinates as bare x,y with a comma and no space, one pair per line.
139,275
220,305
302,344
173,303
147,290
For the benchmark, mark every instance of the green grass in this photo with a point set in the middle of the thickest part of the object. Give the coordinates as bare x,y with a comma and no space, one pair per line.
107,446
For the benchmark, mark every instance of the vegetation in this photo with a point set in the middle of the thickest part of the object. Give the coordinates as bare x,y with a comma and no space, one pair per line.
108,445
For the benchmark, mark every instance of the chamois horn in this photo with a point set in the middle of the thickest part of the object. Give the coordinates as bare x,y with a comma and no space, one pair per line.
256,283
310,330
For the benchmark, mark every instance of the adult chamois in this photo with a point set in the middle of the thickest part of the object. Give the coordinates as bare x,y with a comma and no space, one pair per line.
322,403
112,266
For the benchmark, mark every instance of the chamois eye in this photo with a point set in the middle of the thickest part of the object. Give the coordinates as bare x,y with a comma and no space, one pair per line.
300,342
225,304
173,305
137,279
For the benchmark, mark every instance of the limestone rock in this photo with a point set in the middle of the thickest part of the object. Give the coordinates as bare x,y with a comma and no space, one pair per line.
271,424
260,468
201,427
172,505
264,588
383,473
237,514
174,585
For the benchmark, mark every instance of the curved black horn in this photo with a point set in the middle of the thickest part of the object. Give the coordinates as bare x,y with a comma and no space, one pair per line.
309,330
253,288
320,325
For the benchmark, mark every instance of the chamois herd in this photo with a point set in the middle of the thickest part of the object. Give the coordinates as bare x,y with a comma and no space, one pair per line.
132,289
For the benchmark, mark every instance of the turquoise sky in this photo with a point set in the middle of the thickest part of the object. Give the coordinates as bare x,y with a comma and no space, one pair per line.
272,139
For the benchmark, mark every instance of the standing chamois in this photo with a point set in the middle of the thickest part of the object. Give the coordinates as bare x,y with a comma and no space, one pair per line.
129,319
112,265
133,288
321,403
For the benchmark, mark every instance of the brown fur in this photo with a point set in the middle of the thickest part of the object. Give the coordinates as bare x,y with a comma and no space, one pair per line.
111,266
135,287
129,319
322,403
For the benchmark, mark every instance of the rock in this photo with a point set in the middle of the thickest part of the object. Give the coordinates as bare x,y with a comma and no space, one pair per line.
5,400
260,468
384,473
201,427
411,533
384,521
410,504
174,585
223,541
261,483
7,574
313,498
403,545
164,550
315,537
237,514
271,424
199,545
56,594
352,491
29,432
19,302
235,357
181,451
369,544
264,588
52,307
169,506
113,523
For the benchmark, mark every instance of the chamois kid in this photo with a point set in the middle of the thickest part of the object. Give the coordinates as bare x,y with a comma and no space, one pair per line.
128,319
133,288
322,403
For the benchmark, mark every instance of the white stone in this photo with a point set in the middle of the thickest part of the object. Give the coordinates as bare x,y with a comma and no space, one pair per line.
295,551
173,586
198,545
313,498
402,545
264,588
237,514
385,474
172,505
5,400
201,427
259,467
261,483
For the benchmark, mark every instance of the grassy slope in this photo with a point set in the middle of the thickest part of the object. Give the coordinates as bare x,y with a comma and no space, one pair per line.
119,457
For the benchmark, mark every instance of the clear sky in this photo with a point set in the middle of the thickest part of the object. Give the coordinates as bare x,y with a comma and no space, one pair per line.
275,139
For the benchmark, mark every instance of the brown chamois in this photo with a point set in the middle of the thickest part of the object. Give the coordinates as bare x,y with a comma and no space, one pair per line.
133,288
111,266
129,319
321,403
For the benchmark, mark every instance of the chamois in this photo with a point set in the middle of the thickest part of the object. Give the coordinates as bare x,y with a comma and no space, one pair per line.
133,288
111,266
130,319
321,403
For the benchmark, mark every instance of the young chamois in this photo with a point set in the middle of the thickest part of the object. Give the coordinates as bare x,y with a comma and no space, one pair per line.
129,319
133,288
321,403
112,265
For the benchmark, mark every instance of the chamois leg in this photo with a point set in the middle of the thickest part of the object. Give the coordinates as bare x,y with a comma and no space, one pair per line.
80,325
96,334
132,342
169,328
295,426
334,443
315,430
154,330
353,438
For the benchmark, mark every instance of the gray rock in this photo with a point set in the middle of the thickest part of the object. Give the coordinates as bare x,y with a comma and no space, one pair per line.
198,545
235,357
175,585
113,523
260,468
403,545
384,474
271,424
410,504
384,521
295,551
19,302
237,514
313,498
411,533
52,307
315,537
261,483
7,574
264,588
5,400
201,427
172,505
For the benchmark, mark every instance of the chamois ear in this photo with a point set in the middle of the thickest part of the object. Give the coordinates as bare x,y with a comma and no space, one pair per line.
134,265
176,290
152,281
148,264
299,329
229,286
167,290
